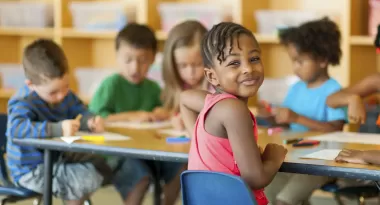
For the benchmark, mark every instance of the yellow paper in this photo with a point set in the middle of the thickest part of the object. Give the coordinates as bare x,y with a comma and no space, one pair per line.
93,138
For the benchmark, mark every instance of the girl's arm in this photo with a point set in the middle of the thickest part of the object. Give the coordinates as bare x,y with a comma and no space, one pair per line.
256,169
286,115
359,157
191,103
364,88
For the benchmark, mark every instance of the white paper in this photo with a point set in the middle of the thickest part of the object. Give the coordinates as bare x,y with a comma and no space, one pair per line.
140,125
70,140
349,137
108,136
325,154
173,132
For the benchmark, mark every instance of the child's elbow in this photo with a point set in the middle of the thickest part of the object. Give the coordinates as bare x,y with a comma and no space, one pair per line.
255,182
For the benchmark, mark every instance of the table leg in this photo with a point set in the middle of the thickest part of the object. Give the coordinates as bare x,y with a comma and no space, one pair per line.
48,171
157,185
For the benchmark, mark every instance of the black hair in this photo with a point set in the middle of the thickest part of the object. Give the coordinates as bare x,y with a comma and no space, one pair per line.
215,41
138,36
320,38
44,60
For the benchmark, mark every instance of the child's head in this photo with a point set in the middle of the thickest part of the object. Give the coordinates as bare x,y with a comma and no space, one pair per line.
232,58
46,70
136,47
312,47
182,61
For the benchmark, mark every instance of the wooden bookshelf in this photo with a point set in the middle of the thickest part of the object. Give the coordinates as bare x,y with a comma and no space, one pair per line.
96,49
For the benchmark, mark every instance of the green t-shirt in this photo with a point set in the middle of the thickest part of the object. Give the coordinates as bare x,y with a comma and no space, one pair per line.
117,95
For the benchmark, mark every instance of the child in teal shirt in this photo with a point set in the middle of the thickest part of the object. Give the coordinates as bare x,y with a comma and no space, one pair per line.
130,96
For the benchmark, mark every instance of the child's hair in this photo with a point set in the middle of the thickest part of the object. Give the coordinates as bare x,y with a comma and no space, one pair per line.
138,36
215,41
185,34
320,38
44,60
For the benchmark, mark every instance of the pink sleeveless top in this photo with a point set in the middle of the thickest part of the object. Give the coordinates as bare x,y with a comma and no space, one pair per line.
211,153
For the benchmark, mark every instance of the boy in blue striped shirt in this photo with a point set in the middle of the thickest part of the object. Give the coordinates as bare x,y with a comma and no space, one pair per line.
46,108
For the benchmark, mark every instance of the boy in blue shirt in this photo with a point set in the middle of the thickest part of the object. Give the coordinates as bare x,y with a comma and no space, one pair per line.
45,107
312,47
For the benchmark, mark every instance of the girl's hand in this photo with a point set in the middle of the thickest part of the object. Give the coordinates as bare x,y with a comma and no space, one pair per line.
285,116
160,114
96,124
351,156
274,152
177,122
356,110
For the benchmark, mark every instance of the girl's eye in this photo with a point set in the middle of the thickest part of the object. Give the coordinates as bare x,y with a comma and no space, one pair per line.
234,63
254,59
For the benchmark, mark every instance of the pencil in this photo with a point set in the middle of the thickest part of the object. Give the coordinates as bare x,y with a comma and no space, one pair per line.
78,117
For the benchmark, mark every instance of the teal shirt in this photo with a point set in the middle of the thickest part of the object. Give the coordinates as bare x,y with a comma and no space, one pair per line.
116,95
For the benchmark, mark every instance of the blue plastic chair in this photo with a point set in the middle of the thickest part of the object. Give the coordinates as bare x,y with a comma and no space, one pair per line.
12,193
214,188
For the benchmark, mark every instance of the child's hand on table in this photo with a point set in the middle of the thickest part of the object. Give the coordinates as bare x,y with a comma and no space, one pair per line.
160,114
177,122
351,156
70,127
356,110
274,152
96,124
285,116
142,116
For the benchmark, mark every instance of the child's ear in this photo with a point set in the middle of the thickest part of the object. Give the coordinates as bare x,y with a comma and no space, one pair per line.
323,63
211,76
29,84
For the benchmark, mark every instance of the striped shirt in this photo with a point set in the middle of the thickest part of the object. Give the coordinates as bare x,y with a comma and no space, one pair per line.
31,117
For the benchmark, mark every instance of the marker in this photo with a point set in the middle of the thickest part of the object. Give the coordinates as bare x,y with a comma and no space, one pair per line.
180,139
78,117
291,141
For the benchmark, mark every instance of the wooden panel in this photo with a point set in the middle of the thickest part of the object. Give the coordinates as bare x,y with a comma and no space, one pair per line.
276,61
359,17
363,62
103,53
12,52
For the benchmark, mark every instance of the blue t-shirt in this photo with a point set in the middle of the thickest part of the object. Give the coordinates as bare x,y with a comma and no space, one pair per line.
311,103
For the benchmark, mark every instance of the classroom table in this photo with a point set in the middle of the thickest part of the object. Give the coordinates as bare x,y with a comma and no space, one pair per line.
149,144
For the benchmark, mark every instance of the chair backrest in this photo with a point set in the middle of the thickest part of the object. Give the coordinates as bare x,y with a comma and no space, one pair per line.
370,125
214,188
3,143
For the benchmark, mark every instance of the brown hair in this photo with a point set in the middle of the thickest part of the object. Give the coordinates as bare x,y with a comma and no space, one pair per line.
184,34
138,36
44,60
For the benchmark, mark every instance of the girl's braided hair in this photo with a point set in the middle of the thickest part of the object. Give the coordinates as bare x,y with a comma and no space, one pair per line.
214,42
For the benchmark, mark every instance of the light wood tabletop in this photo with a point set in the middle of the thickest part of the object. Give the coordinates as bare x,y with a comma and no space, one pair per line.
149,144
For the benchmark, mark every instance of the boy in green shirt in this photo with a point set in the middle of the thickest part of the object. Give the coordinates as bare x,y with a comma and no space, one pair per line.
130,96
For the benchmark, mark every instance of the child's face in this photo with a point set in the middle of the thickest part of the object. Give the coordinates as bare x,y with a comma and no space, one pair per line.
189,64
305,66
134,62
52,91
242,72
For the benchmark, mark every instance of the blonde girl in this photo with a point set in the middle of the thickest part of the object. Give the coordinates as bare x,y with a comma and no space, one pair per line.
182,65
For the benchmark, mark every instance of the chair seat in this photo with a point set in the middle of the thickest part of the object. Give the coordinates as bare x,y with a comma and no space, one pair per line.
16,191
330,187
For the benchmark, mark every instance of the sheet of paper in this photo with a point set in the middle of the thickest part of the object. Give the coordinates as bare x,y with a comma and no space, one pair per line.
349,137
325,154
140,125
108,136
173,132
70,140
